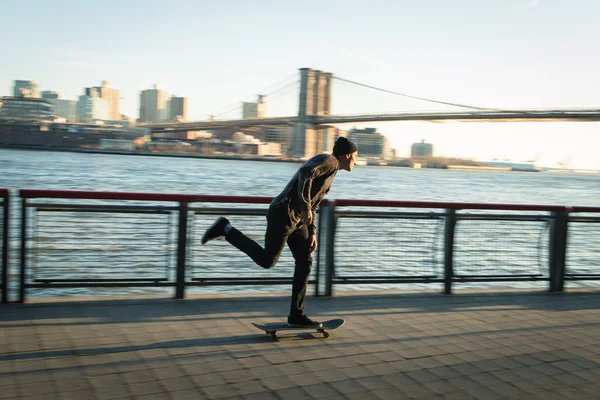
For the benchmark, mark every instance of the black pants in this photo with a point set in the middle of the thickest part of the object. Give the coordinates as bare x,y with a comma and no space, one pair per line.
280,229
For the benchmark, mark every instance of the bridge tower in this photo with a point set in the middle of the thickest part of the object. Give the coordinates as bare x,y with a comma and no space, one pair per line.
315,99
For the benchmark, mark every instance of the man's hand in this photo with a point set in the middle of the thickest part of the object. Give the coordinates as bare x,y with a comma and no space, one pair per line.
313,243
306,217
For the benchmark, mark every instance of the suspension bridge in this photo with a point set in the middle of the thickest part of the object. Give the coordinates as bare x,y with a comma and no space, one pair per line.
313,89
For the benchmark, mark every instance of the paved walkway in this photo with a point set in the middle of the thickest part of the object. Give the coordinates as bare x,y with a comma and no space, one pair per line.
472,345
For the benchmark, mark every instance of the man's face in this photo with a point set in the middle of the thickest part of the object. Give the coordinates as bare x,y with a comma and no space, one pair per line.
350,160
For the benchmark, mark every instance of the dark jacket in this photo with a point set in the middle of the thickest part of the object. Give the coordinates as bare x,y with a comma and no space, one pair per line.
308,187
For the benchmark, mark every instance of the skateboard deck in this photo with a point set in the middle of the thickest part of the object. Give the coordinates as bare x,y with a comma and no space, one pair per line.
272,328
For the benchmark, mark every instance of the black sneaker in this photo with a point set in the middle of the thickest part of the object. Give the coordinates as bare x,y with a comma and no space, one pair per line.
216,230
302,320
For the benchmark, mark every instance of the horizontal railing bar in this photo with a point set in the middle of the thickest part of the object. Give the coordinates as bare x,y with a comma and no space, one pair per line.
488,279
99,207
396,280
496,217
49,280
232,211
242,283
592,220
100,243
582,275
183,198
582,278
391,214
131,227
241,278
229,211
387,277
447,205
99,240
497,276
99,284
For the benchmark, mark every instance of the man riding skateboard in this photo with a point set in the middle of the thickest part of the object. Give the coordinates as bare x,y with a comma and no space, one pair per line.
290,219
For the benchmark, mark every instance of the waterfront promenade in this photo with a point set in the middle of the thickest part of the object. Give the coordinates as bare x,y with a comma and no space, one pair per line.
395,345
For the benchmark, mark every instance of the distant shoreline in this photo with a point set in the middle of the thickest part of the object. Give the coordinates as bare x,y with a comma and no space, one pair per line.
160,154
396,164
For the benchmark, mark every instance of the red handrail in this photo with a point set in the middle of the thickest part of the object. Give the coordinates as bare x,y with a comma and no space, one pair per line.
208,198
184,198
585,209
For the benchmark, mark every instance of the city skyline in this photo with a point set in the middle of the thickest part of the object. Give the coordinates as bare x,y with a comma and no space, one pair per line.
514,54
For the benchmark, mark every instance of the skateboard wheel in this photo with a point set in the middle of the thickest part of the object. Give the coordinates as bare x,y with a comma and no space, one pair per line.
325,335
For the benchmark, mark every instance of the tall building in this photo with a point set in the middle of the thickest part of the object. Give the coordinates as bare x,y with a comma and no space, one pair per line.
65,108
421,149
255,110
153,105
26,89
25,108
112,97
49,95
91,107
370,143
281,135
177,107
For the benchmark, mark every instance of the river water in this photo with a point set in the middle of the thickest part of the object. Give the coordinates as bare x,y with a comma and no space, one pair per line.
20,169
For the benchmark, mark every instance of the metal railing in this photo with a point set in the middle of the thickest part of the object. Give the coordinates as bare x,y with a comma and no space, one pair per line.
4,240
464,244
73,239
67,244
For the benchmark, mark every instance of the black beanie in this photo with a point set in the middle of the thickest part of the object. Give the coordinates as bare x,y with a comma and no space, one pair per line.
343,146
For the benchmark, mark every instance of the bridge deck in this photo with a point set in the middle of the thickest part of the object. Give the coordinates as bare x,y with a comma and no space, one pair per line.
394,345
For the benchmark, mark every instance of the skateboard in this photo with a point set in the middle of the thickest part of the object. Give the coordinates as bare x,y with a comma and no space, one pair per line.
272,328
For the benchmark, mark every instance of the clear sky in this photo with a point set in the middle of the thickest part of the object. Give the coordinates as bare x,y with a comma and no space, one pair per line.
501,54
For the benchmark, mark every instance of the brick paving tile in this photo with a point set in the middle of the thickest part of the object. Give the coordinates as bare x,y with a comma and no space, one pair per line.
374,382
72,384
294,393
142,388
219,391
348,386
262,396
187,394
320,390
305,379
180,383
77,395
112,392
155,396
277,383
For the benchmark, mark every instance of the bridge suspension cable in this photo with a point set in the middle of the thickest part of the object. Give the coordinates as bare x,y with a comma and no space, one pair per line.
267,91
410,96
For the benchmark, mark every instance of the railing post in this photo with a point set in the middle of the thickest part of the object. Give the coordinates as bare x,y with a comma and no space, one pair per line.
450,226
329,257
23,250
558,250
181,250
5,244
